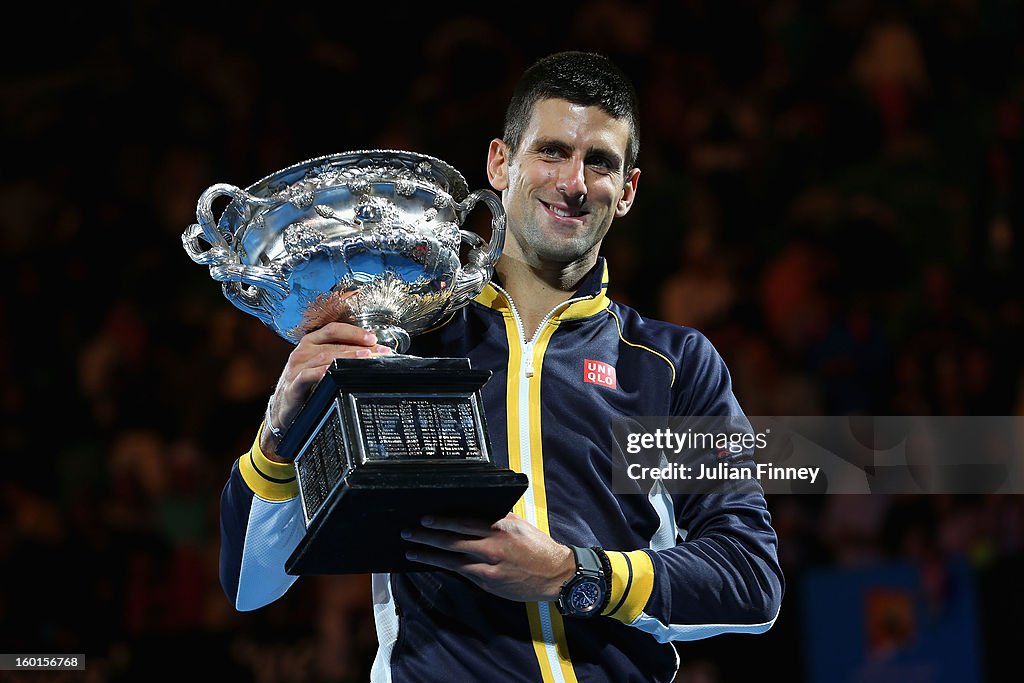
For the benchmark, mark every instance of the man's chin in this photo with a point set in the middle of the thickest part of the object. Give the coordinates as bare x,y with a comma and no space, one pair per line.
563,253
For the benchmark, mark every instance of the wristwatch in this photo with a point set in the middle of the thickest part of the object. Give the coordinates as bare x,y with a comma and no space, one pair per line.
588,591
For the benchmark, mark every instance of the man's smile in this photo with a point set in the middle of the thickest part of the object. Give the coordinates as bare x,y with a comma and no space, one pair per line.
564,212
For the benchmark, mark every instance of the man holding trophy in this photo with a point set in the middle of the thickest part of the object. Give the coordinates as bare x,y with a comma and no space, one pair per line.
575,582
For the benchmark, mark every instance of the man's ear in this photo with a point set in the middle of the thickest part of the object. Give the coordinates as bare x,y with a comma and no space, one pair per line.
497,165
628,194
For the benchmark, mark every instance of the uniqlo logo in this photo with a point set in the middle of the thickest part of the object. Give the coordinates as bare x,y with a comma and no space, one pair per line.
597,372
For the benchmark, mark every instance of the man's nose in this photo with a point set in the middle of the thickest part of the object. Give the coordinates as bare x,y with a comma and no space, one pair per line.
571,181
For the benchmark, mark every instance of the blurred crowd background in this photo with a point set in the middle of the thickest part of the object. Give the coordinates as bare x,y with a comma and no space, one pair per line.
831,191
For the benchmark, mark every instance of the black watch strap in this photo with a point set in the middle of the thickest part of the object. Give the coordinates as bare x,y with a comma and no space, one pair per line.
587,560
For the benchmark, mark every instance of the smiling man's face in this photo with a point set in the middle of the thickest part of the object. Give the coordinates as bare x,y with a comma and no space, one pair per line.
565,184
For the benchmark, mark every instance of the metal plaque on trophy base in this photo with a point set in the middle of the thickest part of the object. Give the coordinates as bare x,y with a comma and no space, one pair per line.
372,238
381,443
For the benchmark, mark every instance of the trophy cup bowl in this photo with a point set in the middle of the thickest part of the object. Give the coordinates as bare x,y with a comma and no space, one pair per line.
372,238
368,237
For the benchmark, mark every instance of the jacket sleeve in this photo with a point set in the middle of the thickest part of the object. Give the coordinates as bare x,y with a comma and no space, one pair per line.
721,574
260,525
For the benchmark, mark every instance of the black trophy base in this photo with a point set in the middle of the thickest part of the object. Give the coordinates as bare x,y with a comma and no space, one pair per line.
380,444
360,529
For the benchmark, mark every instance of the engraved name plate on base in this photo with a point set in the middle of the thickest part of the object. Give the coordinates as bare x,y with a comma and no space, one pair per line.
381,443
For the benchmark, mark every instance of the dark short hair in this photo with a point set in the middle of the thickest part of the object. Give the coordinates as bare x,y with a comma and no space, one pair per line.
583,78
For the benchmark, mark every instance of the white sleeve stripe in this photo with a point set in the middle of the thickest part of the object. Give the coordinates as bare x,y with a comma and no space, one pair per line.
668,532
385,619
274,529
666,633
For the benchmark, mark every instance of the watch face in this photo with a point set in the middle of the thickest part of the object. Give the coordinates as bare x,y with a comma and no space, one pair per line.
585,596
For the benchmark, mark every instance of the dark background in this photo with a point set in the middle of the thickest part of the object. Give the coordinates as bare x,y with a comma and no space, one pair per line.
831,192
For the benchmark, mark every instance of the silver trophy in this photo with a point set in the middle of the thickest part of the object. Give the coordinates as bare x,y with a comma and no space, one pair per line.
371,238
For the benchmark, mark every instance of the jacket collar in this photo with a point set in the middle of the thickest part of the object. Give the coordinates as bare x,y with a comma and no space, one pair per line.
592,292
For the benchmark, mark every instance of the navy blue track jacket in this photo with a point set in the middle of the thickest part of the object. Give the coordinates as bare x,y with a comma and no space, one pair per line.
684,566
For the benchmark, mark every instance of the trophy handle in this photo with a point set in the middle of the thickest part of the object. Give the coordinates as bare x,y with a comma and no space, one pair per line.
225,265
480,263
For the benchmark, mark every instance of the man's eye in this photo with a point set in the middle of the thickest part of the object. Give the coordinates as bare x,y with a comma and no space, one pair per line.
600,165
551,151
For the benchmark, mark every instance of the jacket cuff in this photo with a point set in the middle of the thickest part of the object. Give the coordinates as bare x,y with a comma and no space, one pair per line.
632,584
273,481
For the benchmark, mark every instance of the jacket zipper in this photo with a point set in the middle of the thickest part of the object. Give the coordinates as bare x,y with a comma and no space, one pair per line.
527,346
526,456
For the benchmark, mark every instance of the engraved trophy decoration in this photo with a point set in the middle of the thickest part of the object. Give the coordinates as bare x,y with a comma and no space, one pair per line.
371,238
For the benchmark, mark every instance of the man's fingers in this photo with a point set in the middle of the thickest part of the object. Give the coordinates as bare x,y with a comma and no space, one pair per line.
468,567
306,367
458,525
341,333
453,543
306,379
326,354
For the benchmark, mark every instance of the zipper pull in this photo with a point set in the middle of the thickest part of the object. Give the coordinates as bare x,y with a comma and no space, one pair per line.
528,352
